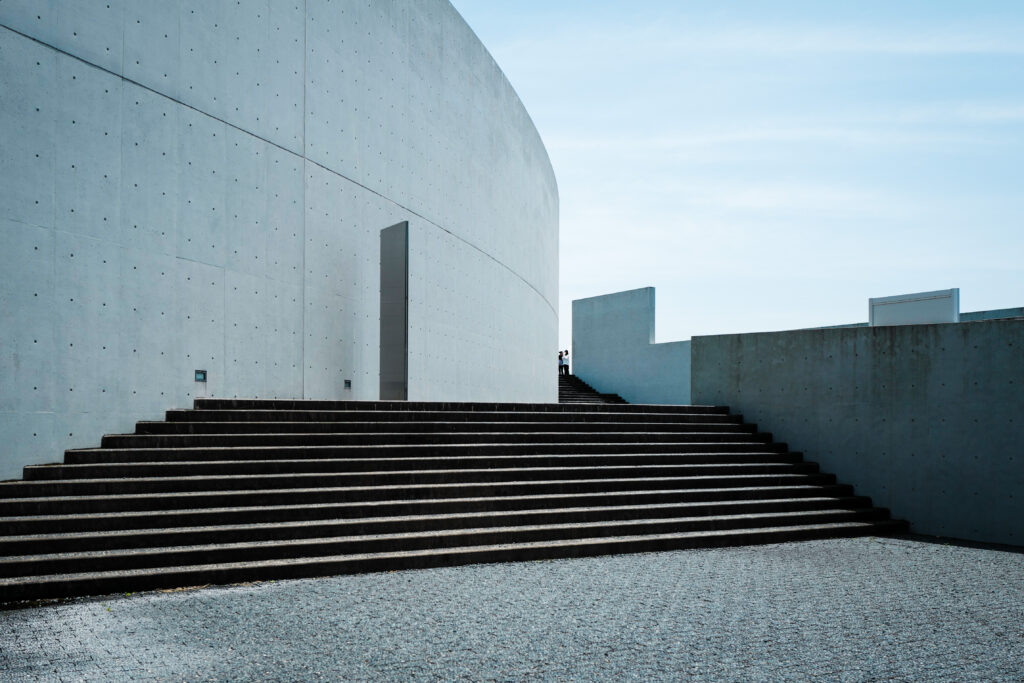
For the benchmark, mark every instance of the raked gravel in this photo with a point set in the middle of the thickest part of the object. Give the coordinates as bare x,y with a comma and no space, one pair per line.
848,609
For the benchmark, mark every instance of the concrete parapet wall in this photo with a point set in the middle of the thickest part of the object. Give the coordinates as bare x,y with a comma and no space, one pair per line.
928,420
201,185
614,350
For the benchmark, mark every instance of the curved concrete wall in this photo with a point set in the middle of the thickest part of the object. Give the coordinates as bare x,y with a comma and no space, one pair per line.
187,184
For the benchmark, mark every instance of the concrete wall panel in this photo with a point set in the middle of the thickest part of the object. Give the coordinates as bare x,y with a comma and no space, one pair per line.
87,150
149,171
221,172
201,315
245,202
26,318
202,174
36,18
85,303
285,220
148,333
27,117
613,349
920,308
922,418
31,435
282,64
152,45
245,335
445,291
282,302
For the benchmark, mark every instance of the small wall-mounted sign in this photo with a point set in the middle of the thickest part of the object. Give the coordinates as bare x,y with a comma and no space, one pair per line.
200,375
348,384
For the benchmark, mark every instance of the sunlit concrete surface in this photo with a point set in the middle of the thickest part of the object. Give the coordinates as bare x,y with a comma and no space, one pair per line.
201,185
852,609
614,350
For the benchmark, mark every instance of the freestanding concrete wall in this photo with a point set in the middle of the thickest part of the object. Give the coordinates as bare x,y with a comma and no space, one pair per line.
187,184
613,349
928,420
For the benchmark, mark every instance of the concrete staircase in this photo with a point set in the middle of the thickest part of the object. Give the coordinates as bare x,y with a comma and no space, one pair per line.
571,389
245,490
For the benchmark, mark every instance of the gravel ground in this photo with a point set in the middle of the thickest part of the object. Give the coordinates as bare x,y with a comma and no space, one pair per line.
848,609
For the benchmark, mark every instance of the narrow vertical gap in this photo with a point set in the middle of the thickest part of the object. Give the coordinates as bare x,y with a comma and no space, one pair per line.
394,312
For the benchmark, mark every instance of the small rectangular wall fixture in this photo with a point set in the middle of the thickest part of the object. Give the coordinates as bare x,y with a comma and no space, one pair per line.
922,308
199,388
394,312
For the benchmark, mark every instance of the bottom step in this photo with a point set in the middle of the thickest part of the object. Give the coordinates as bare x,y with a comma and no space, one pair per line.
69,585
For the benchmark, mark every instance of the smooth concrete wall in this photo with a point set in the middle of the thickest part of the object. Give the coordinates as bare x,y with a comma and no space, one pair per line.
613,349
928,420
188,184
997,314
919,308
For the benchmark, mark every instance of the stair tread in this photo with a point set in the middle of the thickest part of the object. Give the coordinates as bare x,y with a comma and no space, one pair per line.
453,424
439,501
626,409
343,489
413,435
691,458
212,463
290,475
604,540
356,521
146,449
312,403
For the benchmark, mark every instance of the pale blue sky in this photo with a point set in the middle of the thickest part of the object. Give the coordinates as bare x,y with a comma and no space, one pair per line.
772,164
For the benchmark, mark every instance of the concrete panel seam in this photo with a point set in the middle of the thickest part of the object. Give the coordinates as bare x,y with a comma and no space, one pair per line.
284,149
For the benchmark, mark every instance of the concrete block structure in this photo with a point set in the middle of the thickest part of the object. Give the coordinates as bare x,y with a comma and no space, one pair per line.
925,419
614,350
922,308
202,185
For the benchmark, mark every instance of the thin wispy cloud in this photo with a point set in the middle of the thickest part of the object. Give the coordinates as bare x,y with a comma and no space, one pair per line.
643,144
619,47
964,112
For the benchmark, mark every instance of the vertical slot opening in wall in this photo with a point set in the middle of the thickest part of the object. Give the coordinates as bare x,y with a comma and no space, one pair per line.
394,312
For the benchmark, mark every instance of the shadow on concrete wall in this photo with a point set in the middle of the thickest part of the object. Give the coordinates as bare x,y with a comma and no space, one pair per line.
928,420
613,349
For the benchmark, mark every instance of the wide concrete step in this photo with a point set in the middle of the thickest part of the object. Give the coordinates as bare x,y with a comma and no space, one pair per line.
465,461
117,468
455,406
71,533
435,415
424,483
374,538
429,472
504,496
424,438
572,389
582,397
438,426
254,542
197,454
95,583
